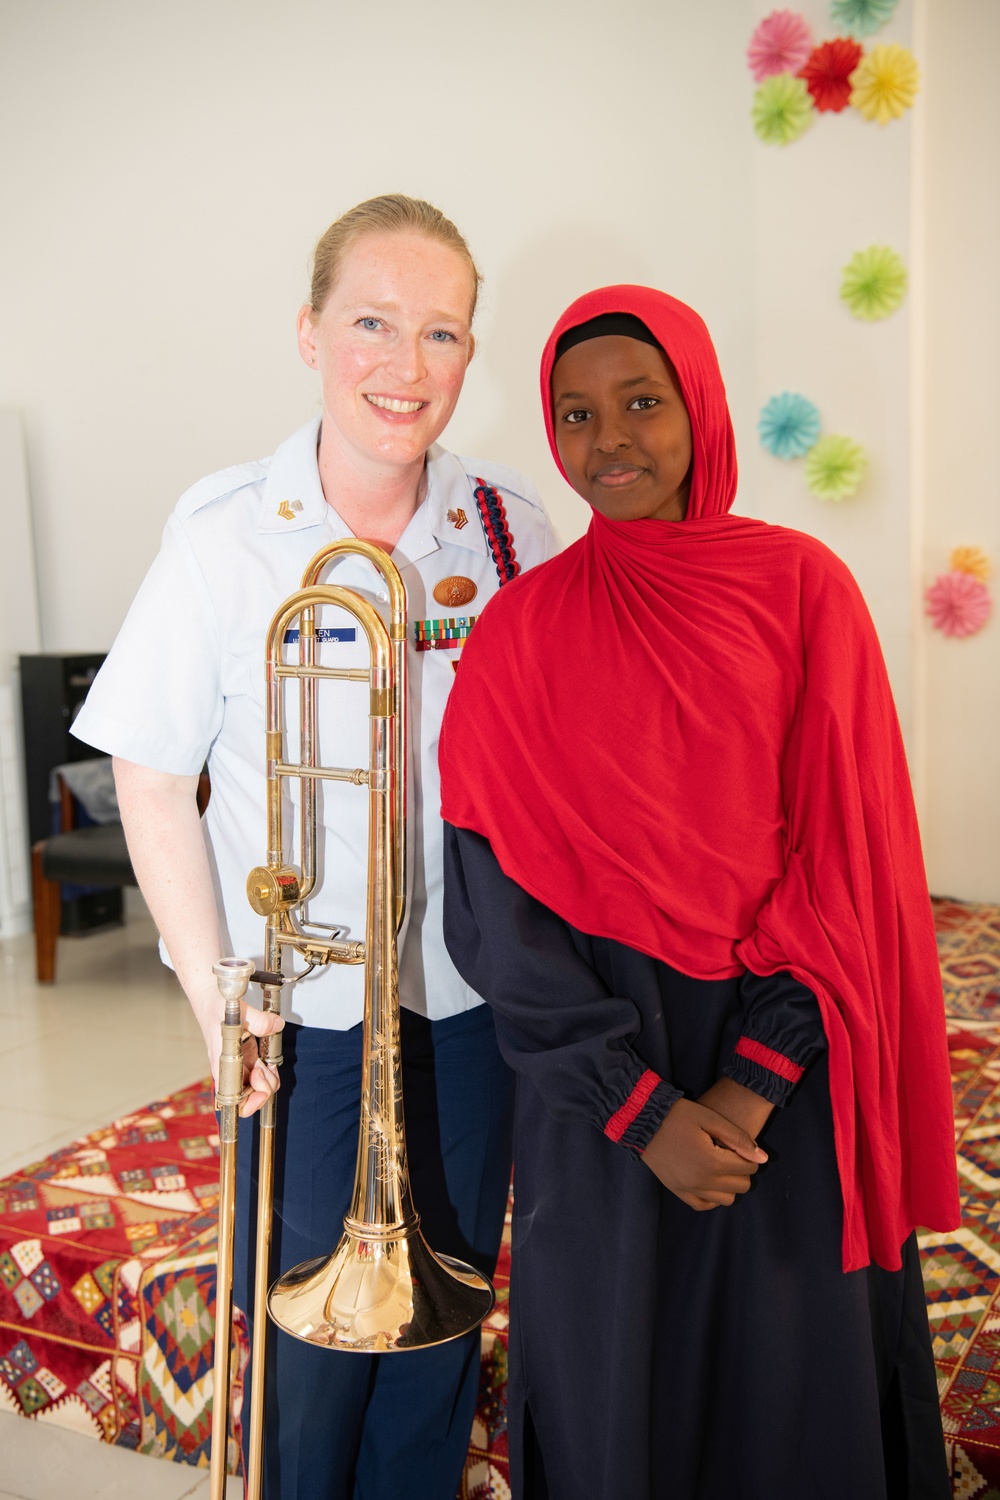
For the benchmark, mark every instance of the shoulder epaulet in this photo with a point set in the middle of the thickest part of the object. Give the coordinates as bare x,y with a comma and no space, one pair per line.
512,481
217,486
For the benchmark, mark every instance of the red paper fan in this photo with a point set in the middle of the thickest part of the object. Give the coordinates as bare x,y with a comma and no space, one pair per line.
828,70
958,604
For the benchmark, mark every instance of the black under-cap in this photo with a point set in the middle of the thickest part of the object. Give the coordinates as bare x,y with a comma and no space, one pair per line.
607,325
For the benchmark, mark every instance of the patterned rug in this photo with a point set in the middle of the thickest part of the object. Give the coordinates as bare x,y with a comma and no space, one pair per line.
107,1266
969,949
107,1281
487,1473
962,1272
107,1293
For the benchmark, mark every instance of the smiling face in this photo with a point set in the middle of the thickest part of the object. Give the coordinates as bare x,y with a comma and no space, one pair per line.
391,344
622,429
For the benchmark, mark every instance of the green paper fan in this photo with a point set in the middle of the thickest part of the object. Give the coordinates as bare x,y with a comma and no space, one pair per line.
874,283
834,467
782,108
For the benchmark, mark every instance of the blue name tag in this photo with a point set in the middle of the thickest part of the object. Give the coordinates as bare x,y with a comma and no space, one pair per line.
326,633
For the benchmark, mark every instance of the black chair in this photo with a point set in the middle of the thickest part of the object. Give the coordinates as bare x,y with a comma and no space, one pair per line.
97,855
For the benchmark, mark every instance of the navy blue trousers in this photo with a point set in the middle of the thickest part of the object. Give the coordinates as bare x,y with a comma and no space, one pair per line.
344,1426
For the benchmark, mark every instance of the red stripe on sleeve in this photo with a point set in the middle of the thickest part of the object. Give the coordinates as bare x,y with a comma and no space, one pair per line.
622,1118
758,1053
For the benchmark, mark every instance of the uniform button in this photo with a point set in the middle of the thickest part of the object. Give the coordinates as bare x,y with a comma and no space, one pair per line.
382,596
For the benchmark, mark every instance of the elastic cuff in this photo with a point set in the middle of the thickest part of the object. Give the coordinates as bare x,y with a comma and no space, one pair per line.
761,1080
639,1118
649,1119
777,1062
623,1117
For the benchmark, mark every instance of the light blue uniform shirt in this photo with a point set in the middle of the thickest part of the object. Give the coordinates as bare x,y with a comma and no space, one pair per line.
184,683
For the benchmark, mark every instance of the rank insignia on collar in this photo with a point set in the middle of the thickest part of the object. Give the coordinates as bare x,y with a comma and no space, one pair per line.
458,519
287,509
455,591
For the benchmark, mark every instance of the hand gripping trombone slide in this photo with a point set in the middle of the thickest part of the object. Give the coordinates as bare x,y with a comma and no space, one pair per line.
382,1289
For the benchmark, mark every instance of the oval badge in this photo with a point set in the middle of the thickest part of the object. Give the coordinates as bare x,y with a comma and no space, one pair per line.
455,591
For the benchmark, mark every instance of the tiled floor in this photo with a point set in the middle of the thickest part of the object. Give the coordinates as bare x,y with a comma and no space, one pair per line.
42,1462
112,1033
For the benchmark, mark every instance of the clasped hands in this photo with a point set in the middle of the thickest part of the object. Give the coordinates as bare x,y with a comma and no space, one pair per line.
705,1151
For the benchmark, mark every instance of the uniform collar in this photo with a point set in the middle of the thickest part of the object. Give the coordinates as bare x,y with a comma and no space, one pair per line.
450,506
293,500
293,497
447,516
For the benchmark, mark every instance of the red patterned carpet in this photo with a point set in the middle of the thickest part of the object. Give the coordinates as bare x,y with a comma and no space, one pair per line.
107,1293
107,1266
962,1270
487,1475
107,1281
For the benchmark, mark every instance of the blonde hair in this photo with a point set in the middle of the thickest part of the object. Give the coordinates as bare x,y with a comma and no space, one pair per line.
392,213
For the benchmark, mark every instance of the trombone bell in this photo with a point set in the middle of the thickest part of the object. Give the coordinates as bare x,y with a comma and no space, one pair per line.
374,1295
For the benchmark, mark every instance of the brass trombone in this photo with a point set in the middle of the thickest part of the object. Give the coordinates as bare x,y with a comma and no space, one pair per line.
382,1288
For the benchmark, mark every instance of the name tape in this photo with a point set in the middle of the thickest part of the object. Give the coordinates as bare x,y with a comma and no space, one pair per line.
326,633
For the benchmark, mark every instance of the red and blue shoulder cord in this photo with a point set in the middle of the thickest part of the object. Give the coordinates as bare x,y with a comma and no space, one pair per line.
493,515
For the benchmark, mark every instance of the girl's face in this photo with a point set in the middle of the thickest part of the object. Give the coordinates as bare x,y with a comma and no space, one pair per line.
391,343
622,429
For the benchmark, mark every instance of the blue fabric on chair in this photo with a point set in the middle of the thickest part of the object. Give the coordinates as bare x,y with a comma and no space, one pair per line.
92,783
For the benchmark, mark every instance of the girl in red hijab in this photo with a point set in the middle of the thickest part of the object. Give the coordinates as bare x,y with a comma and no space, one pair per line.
683,867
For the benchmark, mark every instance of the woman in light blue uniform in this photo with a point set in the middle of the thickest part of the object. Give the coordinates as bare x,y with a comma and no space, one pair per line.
388,329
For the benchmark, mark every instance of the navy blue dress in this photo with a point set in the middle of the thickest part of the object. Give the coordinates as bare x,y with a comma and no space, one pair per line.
655,1351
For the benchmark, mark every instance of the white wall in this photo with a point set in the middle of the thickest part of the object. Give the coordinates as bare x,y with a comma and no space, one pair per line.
175,165
844,185
960,781
19,634
170,168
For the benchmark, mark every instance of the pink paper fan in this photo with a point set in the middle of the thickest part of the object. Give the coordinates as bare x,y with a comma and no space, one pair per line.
958,604
781,44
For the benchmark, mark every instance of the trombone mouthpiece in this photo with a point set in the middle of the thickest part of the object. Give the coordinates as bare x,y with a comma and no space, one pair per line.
233,976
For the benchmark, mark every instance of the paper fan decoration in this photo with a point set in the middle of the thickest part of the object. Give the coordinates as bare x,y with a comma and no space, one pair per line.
781,110
874,283
828,70
780,44
862,17
971,560
885,83
788,425
958,604
834,467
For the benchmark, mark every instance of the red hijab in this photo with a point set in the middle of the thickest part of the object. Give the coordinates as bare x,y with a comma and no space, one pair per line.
680,735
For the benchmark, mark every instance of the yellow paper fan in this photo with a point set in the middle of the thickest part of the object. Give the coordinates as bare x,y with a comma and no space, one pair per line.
885,83
971,560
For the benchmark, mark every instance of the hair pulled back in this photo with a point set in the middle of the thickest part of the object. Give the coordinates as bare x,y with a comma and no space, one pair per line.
392,213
